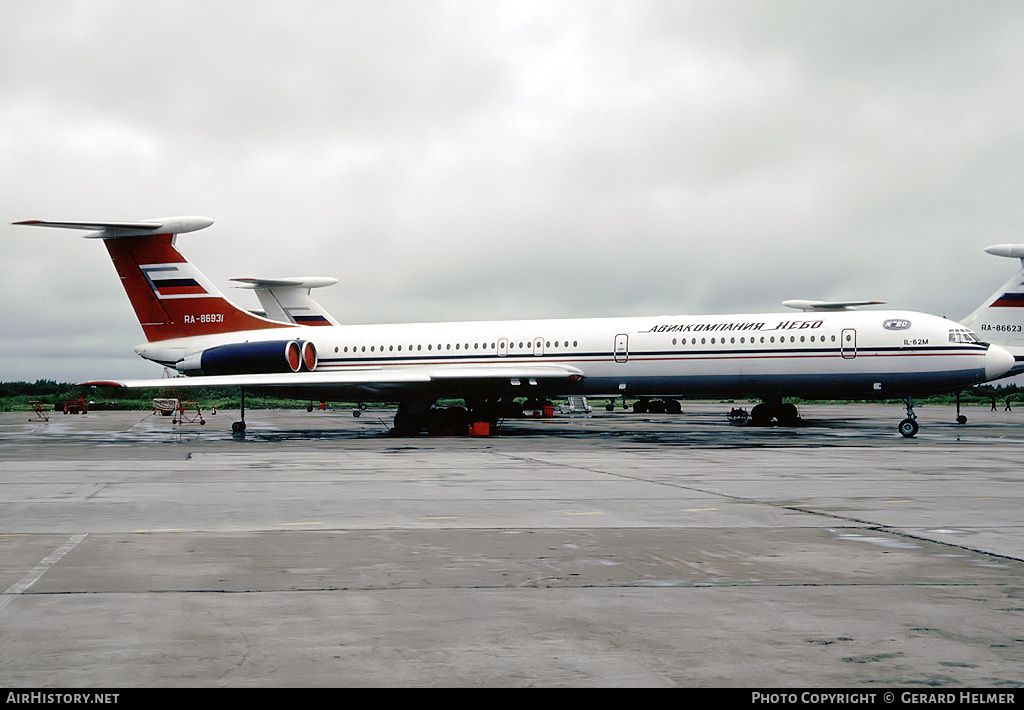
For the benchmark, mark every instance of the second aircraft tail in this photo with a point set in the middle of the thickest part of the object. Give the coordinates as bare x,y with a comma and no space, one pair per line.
1000,319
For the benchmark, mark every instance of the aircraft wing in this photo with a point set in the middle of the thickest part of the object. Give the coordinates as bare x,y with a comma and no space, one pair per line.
363,377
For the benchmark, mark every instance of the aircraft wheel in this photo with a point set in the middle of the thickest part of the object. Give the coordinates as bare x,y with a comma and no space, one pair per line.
238,428
760,415
788,414
448,421
962,419
407,424
357,413
908,428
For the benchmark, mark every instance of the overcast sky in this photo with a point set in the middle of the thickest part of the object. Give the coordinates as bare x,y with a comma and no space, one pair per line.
485,160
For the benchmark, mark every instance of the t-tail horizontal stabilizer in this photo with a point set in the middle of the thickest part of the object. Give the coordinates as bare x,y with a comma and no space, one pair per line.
142,228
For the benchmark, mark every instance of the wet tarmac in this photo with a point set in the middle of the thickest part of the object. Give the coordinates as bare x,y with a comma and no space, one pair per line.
605,550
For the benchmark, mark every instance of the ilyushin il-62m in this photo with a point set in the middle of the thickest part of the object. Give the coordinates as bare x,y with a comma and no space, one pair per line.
294,348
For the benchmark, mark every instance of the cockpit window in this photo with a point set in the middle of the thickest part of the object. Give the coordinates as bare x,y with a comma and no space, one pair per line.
963,335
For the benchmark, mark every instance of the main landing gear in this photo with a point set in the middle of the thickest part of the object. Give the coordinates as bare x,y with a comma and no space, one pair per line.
412,418
784,413
415,416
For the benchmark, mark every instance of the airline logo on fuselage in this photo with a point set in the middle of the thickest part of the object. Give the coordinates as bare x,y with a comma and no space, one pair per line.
732,326
896,324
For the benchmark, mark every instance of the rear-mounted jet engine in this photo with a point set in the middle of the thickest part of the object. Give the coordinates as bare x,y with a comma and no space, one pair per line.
251,358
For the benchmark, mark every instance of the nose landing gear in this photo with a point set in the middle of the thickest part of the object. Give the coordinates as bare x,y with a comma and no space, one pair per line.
908,427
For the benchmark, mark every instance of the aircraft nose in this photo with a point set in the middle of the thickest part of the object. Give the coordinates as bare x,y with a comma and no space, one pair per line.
998,362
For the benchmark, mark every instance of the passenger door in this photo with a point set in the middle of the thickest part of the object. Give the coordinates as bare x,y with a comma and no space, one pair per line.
848,343
621,348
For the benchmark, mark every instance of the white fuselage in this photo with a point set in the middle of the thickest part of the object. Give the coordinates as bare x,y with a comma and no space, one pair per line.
836,354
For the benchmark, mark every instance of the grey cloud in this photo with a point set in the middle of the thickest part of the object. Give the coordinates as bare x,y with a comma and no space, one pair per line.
482,160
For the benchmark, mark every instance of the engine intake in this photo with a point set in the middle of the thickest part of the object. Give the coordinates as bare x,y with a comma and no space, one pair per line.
309,356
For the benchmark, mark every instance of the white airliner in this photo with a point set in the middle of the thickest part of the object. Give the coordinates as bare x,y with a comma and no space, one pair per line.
828,350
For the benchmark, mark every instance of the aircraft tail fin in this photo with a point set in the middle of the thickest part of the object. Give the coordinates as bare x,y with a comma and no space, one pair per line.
171,297
1000,319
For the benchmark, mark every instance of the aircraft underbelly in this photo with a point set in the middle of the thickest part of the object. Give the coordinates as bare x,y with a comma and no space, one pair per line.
863,378
860,383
